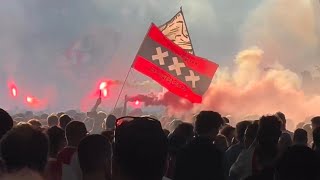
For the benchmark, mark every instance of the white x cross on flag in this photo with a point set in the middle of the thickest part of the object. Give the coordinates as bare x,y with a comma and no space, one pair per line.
160,55
192,78
176,66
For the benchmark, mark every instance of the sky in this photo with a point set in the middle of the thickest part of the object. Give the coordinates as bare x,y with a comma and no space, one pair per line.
35,35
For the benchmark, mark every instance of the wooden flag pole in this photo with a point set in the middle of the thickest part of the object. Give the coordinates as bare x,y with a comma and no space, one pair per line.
187,29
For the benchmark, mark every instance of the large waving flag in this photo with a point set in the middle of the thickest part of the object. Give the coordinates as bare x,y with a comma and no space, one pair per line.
182,73
176,30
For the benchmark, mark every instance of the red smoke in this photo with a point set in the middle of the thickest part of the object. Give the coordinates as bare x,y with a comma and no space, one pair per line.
163,99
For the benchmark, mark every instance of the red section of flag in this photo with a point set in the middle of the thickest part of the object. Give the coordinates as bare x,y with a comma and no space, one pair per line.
201,65
165,79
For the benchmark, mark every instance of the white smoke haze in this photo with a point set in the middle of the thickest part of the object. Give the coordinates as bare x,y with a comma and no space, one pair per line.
287,31
252,90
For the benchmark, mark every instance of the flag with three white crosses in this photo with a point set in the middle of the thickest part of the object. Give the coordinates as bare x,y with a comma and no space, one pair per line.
173,64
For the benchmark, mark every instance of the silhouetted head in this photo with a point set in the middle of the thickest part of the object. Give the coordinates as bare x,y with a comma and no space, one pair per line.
208,124
284,142
64,120
315,122
94,152
75,132
269,130
283,119
24,147
298,163
53,120
240,130
110,122
228,132
140,150
184,130
56,140
101,115
300,137
180,137
6,122
35,123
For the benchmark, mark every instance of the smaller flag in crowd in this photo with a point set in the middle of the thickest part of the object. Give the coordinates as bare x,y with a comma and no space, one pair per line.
79,52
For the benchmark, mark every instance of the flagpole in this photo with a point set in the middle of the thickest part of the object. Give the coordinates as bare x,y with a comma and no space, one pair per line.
125,80
123,84
187,29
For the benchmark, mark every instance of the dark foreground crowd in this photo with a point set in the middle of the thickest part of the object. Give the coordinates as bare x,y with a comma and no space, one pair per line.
94,146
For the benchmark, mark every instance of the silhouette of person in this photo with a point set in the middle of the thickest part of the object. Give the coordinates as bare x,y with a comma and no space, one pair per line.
6,122
201,159
300,137
94,154
262,154
140,150
298,163
57,142
233,152
64,120
24,147
53,120
68,157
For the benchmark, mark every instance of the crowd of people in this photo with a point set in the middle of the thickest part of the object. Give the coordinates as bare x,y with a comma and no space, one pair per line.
96,146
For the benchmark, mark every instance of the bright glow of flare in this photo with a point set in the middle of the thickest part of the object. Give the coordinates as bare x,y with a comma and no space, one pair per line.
105,92
14,92
137,103
30,99
103,85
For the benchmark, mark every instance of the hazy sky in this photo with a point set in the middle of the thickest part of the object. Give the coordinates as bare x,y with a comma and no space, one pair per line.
35,34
